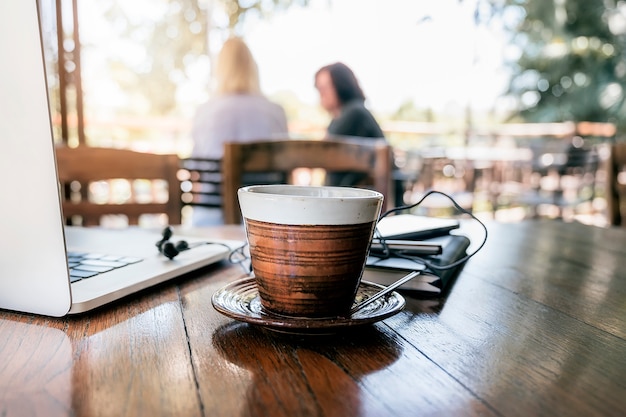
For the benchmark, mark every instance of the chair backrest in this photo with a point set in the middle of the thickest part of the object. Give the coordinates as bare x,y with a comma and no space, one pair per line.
201,182
616,186
370,157
150,184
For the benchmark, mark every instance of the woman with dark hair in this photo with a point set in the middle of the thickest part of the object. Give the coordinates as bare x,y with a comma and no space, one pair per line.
343,98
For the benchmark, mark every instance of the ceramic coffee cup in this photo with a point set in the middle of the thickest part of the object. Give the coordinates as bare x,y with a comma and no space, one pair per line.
308,245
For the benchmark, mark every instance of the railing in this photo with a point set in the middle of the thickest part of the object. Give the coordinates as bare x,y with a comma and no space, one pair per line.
495,185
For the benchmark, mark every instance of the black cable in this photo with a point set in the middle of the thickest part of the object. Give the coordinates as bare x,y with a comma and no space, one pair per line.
242,258
387,253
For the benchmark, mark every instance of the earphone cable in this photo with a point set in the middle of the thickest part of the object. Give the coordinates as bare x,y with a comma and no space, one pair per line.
387,253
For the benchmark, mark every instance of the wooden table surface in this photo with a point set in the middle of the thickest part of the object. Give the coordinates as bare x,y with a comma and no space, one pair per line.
535,324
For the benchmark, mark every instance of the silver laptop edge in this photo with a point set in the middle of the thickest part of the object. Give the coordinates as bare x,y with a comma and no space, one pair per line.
30,211
34,274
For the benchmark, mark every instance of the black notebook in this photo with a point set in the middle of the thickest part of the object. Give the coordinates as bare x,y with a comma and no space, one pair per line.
414,227
431,282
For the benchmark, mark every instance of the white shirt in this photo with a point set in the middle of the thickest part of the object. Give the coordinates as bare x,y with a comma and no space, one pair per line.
235,118
232,118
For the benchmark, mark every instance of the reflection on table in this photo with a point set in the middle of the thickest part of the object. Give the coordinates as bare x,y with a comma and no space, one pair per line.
533,325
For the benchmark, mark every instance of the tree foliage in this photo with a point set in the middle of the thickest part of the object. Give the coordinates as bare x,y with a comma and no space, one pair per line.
167,42
572,61
177,38
238,10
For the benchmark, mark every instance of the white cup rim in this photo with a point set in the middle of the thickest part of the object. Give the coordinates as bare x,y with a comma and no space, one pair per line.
309,205
315,192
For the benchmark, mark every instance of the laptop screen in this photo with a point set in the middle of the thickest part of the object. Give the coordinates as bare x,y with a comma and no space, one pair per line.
32,259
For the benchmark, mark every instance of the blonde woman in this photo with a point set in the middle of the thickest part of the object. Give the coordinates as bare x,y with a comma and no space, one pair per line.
237,112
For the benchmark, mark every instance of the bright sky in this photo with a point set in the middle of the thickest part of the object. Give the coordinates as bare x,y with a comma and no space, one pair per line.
425,51
419,50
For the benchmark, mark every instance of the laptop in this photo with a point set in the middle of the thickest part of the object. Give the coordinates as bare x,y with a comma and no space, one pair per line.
34,273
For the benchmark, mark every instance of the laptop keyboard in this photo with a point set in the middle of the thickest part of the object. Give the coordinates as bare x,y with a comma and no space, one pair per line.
85,265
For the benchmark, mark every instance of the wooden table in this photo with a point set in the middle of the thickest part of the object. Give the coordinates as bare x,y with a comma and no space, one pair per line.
535,324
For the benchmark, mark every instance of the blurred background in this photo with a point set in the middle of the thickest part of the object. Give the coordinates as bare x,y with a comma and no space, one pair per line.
509,105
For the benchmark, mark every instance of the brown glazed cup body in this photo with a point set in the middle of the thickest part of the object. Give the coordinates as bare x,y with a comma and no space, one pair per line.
308,261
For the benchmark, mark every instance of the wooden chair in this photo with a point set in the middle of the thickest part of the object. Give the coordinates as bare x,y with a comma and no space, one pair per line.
562,179
151,180
616,186
370,157
201,182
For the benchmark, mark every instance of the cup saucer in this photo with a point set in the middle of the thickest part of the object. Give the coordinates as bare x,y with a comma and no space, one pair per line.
240,300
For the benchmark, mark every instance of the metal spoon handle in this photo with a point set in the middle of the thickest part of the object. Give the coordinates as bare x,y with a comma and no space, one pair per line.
385,291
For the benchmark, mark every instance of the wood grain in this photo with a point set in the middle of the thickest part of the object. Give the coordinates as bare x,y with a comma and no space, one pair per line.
535,324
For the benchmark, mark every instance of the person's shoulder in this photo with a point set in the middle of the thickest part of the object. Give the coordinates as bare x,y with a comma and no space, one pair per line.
266,101
219,106
250,100
236,107
269,107
354,107
276,108
356,120
214,104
